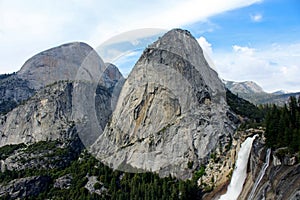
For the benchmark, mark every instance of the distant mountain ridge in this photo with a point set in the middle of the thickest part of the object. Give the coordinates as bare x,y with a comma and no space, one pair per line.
279,92
254,93
243,87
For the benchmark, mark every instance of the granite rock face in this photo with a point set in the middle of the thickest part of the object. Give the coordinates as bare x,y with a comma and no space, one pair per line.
65,62
280,181
248,87
49,114
111,76
24,187
63,182
13,91
56,89
171,111
58,63
45,116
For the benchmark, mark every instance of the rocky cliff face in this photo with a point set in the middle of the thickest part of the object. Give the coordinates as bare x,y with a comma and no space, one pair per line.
281,179
46,115
171,111
49,114
27,170
61,78
13,91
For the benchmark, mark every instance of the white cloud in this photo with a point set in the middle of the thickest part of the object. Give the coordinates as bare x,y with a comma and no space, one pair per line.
28,27
205,45
163,14
243,50
256,17
273,67
207,51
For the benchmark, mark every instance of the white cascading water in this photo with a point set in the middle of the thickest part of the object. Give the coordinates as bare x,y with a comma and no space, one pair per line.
240,172
260,175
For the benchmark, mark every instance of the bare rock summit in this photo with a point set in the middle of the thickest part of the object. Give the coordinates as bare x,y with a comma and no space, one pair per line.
55,64
171,113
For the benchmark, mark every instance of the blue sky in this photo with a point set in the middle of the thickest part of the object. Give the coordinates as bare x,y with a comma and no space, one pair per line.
254,40
263,23
259,42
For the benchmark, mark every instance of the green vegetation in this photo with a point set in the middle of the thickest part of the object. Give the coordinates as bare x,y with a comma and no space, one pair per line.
198,174
7,150
119,185
41,146
113,184
214,157
282,123
283,126
244,108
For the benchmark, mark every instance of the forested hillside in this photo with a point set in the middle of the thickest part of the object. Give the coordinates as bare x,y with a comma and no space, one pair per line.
283,126
56,170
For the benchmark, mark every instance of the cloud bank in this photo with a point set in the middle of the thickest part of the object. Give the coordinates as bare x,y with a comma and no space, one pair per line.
28,27
273,67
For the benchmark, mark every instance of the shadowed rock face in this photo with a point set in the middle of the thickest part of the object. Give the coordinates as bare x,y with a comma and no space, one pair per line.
171,111
24,187
13,91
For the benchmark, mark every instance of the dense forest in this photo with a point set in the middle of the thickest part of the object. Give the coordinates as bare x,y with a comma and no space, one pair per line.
282,123
283,126
244,108
108,184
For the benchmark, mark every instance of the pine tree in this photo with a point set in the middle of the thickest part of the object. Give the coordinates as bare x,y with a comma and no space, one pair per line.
293,110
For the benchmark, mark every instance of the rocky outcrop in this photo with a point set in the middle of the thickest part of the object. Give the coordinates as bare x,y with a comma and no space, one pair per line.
13,91
43,155
111,76
46,116
171,111
95,186
47,67
75,61
24,187
63,182
252,92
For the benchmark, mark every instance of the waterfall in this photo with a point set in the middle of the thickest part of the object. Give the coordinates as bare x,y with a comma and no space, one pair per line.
260,175
240,172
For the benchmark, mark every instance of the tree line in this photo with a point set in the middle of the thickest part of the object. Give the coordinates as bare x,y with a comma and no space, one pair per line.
283,126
